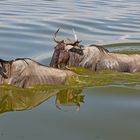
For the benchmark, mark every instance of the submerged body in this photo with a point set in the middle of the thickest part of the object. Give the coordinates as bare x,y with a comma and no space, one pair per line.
27,73
95,58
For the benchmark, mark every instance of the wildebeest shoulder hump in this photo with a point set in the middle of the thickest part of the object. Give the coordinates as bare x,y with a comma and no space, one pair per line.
24,59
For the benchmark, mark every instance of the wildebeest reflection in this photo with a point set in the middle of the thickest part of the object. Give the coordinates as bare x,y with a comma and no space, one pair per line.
92,57
27,73
17,99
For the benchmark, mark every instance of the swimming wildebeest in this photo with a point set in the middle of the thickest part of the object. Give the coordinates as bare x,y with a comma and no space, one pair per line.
92,57
24,72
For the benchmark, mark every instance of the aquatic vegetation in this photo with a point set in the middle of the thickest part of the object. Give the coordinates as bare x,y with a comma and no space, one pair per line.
127,48
123,44
106,78
13,98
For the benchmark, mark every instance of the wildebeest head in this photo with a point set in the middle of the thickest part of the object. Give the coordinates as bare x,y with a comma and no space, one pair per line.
3,68
62,51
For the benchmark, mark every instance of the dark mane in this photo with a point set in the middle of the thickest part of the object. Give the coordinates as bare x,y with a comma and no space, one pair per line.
25,59
4,61
22,59
78,51
101,48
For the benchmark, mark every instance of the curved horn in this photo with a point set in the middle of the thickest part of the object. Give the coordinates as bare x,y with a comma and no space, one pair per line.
75,36
55,36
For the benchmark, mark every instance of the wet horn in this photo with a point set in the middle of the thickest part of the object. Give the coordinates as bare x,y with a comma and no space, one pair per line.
55,36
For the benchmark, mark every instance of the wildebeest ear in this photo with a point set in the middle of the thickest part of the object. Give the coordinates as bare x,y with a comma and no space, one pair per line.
78,51
3,71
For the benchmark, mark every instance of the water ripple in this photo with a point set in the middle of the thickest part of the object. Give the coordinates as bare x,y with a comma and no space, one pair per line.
27,27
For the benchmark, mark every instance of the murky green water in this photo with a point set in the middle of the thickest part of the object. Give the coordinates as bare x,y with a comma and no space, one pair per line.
98,106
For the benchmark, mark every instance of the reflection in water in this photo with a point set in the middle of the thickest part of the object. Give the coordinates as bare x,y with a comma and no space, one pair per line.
17,99
70,97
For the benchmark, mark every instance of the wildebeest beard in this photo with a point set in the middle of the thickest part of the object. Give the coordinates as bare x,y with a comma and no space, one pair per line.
55,57
61,55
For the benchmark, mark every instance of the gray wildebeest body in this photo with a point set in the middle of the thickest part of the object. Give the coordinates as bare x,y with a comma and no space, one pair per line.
92,57
26,73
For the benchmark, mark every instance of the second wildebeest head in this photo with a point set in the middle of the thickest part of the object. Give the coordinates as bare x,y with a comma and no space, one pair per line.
4,65
63,49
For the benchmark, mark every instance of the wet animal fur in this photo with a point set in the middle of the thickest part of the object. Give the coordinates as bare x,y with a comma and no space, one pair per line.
26,73
96,58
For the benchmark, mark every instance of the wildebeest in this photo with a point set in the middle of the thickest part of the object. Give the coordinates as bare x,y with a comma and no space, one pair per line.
92,57
24,72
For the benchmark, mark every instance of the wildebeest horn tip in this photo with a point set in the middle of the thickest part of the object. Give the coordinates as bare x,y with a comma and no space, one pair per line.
55,36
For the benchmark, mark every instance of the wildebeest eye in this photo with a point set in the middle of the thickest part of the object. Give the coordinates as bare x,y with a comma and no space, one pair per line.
81,52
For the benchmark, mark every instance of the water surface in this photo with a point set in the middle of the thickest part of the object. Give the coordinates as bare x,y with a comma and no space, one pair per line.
106,111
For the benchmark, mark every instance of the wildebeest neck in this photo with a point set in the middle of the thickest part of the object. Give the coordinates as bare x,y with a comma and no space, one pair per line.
74,59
